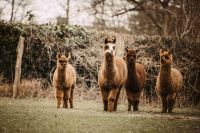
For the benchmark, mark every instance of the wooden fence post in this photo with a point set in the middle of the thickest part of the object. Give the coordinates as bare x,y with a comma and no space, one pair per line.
20,49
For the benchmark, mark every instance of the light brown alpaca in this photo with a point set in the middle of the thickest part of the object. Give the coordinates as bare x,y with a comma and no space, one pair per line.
110,39
135,80
64,80
111,77
169,81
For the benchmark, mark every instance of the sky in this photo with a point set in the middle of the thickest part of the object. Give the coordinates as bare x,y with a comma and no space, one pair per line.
46,11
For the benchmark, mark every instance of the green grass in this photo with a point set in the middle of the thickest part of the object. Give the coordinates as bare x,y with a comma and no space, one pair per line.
42,116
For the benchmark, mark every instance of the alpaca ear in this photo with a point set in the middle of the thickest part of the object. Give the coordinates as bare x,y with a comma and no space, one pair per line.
114,40
124,57
161,51
126,49
68,55
106,41
58,56
137,50
170,51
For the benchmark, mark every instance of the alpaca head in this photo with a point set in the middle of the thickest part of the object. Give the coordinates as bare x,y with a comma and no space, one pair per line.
130,56
110,39
62,60
109,50
166,57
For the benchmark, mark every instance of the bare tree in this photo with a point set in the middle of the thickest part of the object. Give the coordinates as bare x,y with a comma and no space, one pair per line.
2,7
12,10
165,17
65,4
17,7
21,6
189,20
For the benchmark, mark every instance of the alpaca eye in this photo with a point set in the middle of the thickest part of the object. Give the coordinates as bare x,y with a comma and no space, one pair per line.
61,61
166,57
106,47
114,47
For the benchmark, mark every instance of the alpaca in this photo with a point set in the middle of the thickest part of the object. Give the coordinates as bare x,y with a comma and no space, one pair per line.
110,39
135,80
111,77
169,81
64,80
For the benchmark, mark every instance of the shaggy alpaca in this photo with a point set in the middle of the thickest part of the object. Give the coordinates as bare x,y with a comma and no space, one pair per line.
135,80
169,81
64,80
111,77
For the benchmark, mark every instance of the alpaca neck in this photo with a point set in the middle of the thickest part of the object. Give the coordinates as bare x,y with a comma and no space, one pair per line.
132,70
165,72
61,75
109,70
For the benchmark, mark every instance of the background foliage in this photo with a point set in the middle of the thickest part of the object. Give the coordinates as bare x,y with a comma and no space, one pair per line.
43,42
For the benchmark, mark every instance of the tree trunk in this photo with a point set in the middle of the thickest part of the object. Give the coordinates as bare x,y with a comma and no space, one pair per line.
67,12
20,49
12,11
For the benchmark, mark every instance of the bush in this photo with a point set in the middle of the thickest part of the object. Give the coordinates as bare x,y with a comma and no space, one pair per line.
43,42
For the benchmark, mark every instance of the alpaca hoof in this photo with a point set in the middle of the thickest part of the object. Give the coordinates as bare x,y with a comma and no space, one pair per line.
129,111
110,110
163,111
105,109
65,106
170,112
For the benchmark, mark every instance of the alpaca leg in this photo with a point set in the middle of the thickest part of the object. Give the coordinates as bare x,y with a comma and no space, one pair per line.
129,104
170,102
116,101
135,105
104,94
129,99
105,104
111,99
59,96
66,98
164,104
71,97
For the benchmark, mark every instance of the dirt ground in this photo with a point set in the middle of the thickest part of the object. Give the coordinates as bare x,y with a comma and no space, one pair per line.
41,115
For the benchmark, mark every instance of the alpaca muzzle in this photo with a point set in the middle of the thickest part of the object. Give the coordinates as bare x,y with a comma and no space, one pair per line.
109,53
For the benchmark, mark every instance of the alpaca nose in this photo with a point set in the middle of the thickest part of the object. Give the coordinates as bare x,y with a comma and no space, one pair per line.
131,57
63,64
111,51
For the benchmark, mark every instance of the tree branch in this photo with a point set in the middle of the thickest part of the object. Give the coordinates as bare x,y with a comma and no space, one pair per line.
160,29
128,10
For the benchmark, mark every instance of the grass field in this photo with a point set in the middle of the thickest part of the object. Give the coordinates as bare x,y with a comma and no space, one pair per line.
41,116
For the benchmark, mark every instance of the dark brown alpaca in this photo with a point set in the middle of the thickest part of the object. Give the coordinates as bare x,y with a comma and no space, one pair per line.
111,77
64,80
169,81
135,80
